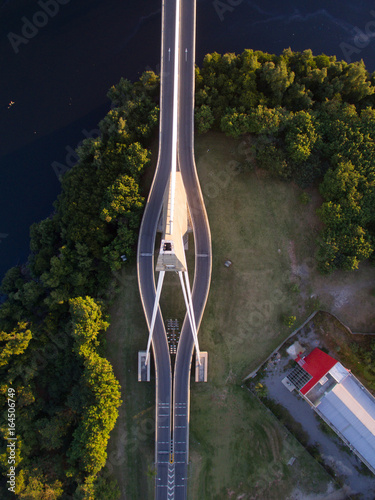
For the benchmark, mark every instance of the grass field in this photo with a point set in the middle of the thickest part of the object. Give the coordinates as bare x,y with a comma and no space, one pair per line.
237,447
131,447
254,222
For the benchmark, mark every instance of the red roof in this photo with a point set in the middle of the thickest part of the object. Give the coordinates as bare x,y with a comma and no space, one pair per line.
317,363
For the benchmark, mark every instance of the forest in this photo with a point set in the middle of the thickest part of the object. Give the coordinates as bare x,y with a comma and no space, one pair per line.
312,122
53,322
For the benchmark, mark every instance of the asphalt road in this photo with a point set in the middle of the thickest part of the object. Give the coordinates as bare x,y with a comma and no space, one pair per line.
202,243
145,259
177,473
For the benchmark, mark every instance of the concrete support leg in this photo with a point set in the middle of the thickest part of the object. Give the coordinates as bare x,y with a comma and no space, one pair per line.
154,312
189,306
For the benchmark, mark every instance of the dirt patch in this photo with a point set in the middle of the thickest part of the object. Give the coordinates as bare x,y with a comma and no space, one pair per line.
330,494
350,296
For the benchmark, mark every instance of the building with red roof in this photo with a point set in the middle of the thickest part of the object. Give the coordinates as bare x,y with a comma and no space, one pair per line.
339,398
317,364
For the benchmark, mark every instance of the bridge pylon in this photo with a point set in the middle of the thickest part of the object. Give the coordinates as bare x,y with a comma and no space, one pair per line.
172,252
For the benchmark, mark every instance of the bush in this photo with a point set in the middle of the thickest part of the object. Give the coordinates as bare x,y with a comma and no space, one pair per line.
289,320
304,198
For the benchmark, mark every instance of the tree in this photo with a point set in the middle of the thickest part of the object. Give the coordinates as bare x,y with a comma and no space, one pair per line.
14,343
341,181
234,124
348,215
344,248
300,137
261,390
124,243
99,417
86,322
44,240
12,281
121,199
298,98
87,451
204,118
264,120
52,431
121,93
271,157
33,485
136,160
355,82
275,79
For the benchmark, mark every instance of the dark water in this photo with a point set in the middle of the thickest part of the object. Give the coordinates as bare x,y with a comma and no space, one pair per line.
72,52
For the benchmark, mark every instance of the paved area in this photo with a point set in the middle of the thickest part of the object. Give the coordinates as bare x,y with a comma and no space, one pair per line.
332,449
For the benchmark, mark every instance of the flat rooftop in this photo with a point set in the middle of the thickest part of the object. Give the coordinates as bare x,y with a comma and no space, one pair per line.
340,399
351,410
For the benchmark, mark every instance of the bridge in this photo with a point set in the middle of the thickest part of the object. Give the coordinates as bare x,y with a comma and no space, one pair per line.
174,197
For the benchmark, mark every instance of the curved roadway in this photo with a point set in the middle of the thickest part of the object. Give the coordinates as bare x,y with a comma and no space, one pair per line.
145,256
202,242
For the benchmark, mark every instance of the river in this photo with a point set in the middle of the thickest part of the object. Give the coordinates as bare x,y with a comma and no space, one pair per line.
59,58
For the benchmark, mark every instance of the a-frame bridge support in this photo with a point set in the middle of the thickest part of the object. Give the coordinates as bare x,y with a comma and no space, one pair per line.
172,253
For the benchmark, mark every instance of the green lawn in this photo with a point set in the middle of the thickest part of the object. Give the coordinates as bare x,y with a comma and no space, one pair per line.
253,222
131,446
237,447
